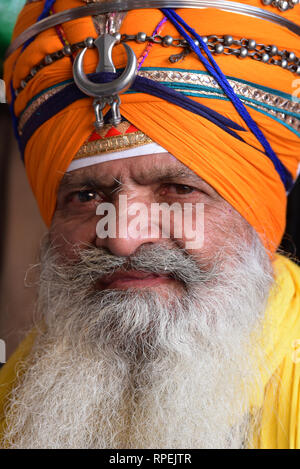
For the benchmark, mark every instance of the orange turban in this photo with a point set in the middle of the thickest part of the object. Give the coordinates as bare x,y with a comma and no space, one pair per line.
239,170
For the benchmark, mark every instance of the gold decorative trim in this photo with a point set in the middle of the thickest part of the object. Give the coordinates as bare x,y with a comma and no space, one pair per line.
242,89
292,121
30,110
260,97
121,128
113,144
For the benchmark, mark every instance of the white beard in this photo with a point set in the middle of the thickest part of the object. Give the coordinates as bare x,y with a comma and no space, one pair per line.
126,369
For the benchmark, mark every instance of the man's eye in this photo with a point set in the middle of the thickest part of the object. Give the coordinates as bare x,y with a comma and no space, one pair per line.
181,189
84,196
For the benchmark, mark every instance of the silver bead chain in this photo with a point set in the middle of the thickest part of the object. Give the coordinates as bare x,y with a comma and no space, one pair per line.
227,45
282,5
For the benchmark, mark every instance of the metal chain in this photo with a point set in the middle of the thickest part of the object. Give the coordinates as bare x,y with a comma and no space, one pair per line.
227,45
49,59
282,5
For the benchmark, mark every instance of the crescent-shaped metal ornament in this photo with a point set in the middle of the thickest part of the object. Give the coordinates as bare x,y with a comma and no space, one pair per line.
106,93
101,90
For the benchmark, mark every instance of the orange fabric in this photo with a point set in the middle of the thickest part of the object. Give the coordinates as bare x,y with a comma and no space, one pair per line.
239,172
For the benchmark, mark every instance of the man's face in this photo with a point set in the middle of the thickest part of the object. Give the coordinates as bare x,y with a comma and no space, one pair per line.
148,180
147,344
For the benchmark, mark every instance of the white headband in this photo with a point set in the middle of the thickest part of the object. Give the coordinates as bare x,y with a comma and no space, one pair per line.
149,149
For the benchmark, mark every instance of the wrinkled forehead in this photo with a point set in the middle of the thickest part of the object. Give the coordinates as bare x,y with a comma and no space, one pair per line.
142,169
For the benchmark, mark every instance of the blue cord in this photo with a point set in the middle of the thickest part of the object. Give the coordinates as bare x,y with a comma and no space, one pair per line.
46,10
217,73
47,7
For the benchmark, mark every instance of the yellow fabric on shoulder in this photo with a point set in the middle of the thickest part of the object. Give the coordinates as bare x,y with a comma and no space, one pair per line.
10,371
279,404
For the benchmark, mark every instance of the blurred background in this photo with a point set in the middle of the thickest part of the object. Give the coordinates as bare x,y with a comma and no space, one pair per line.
22,227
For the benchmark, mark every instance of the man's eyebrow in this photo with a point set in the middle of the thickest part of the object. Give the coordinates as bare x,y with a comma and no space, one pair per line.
69,183
153,175
159,175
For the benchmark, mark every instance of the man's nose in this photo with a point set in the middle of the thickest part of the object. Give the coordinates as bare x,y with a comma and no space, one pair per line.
128,227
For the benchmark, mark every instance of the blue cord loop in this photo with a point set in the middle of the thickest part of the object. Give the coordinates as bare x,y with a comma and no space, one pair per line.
217,73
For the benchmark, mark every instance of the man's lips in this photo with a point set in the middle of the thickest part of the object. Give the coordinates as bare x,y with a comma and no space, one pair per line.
132,279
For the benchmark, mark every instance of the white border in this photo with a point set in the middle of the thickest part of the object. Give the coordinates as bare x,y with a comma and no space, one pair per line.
149,149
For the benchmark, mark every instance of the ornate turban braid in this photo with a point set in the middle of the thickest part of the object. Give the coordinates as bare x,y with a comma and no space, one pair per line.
232,119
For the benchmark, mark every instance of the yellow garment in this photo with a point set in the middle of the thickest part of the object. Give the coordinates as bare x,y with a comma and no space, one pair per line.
280,404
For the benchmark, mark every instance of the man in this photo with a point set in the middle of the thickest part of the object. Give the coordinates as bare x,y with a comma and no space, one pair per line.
153,334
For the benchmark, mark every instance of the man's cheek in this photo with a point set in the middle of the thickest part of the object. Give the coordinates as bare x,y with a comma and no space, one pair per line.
219,226
193,226
67,236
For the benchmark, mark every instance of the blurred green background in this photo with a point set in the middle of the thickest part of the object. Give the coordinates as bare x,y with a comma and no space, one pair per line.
9,10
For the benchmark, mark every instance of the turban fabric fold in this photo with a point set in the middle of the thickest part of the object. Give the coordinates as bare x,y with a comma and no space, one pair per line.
238,170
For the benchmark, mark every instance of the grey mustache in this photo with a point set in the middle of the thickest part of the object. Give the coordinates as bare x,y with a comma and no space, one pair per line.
176,263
